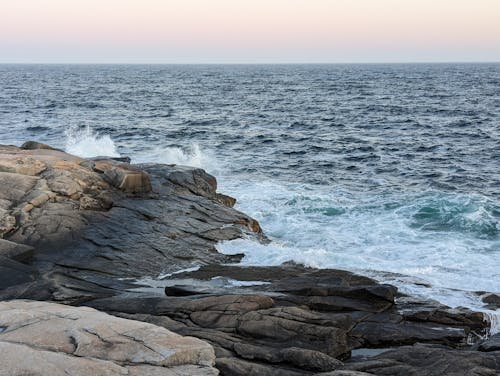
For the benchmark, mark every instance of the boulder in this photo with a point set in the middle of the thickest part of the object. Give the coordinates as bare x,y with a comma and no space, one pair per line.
34,145
121,175
492,300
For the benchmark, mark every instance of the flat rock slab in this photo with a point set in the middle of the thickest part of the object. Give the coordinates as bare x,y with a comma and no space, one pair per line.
52,339
427,360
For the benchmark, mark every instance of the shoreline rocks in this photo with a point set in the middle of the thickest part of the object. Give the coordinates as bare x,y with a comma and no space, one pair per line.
84,232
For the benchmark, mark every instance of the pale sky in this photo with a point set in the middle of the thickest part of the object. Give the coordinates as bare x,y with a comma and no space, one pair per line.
248,31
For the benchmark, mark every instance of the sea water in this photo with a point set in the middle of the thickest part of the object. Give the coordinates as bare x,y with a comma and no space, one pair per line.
392,171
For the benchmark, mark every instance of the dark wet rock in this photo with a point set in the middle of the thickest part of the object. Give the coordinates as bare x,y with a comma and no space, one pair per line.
492,300
298,357
14,273
491,344
34,145
344,373
380,331
239,367
428,360
431,311
15,251
118,159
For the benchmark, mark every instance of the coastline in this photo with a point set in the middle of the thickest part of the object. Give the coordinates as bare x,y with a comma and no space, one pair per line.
78,231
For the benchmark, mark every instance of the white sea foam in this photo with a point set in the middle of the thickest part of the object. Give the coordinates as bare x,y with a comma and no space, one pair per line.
330,228
86,143
191,155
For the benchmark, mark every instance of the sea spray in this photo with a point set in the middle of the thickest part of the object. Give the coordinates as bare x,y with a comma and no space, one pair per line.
493,319
86,143
191,155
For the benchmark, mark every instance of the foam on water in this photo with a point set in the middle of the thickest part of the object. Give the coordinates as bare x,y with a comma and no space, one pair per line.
448,243
191,155
86,143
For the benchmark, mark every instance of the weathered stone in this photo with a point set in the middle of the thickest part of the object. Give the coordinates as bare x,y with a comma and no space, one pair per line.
225,200
299,358
34,145
22,165
429,361
492,300
122,175
344,373
15,186
15,251
52,331
491,344
385,333
238,367
7,222
14,273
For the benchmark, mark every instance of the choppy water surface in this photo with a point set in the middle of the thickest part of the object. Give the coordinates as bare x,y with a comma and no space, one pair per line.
375,168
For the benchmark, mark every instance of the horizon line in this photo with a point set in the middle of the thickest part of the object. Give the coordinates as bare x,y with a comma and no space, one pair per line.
257,63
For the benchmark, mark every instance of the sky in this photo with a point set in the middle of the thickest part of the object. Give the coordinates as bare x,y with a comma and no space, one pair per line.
249,31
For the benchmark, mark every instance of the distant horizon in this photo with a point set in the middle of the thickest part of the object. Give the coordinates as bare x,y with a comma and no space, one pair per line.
257,63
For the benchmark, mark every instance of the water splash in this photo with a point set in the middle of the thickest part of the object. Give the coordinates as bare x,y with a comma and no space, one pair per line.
493,319
191,155
86,143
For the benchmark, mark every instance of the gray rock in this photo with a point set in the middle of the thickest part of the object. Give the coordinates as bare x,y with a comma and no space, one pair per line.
34,145
492,300
18,252
428,360
491,344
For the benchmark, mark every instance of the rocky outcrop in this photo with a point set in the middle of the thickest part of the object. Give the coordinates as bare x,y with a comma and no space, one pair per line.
100,232
52,339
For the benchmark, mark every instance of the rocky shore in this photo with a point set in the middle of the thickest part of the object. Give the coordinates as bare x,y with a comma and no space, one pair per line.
79,237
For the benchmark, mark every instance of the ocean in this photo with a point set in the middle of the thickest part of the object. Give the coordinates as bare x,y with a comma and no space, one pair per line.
392,171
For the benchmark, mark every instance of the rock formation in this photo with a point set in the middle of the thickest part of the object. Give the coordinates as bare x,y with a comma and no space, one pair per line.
52,339
87,232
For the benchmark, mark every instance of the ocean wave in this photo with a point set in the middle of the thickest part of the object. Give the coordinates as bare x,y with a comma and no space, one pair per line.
190,155
456,213
86,143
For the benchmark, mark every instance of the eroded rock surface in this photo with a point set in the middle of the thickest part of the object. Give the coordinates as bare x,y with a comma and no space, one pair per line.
41,338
